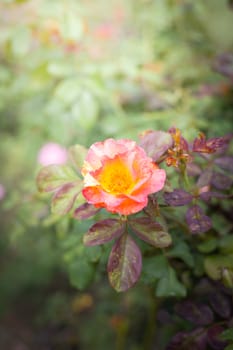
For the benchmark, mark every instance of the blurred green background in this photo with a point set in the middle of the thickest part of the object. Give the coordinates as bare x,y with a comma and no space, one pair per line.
78,72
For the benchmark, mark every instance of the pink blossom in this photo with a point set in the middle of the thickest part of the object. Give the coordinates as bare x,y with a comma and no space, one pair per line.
52,153
119,176
106,31
2,192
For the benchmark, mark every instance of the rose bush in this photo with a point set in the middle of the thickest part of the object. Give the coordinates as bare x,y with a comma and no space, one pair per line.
124,178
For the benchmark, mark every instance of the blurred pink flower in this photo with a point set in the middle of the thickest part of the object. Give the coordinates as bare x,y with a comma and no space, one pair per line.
52,153
2,192
106,31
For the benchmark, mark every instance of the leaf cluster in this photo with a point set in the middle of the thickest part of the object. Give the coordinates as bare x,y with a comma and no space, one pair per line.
203,171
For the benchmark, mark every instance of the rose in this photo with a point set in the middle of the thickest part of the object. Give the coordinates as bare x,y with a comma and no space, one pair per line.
119,176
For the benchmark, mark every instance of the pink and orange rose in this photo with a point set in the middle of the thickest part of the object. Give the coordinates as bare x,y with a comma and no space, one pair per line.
119,176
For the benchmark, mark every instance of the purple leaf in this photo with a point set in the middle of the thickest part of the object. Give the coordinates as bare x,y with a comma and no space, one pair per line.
206,196
221,304
203,287
197,221
63,200
198,314
150,232
103,232
193,169
77,155
178,197
205,178
124,264
195,340
152,206
221,181
223,63
52,177
213,338
225,162
85,211
202,145
156,143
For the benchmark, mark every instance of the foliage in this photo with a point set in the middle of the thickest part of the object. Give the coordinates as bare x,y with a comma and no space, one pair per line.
125,261
74,73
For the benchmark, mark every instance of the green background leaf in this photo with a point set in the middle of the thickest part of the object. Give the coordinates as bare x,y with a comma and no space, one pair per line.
170,286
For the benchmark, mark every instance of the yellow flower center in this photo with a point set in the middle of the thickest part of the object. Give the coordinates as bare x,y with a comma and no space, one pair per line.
116,177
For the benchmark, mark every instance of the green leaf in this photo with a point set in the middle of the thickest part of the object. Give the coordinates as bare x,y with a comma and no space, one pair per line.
60,69
64,198
77,155
150,232
52,177
208,246
104,231
71,26
81,273
169,285
21,41
154,268
124,264
68,91
215,264
181,250
227,334
226,244
227,277
229,347
85,110
93,254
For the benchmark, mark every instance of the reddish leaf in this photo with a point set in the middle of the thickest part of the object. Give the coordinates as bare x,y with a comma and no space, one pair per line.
152,206
213,337
150,232
202,145
199,314
221,181
124,264
193,169
77,154
197,221
221,304
178,197
103,232
206,196
194,340
85,211
225,162
52,177
205,178
156,143
179,141
63,200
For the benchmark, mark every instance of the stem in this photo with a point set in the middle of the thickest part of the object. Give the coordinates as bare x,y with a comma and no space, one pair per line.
151,325
184,177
